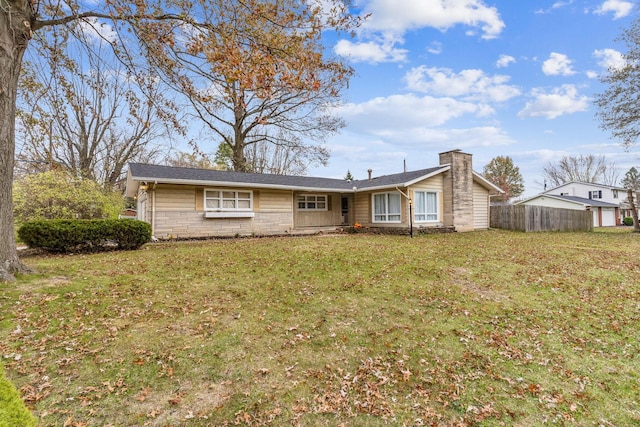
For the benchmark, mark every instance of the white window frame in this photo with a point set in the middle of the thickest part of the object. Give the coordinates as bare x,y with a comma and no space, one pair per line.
416,212
309,199
221,199
386,214
595,194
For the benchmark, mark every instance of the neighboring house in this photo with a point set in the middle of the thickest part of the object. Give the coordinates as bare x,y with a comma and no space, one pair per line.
186,202
128,214
608,204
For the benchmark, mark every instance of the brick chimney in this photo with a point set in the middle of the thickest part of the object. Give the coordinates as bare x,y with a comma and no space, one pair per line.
458,190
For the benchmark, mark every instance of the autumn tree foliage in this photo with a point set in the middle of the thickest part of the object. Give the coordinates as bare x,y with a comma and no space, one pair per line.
618,110
583,168
271,108
259,46
505,175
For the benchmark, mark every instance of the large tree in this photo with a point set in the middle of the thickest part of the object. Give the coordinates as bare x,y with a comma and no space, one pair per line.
90,119
279,36
265,111
631,182
618,108
506,175
583,168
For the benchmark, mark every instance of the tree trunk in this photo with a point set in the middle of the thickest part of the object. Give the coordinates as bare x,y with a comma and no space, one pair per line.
634,211
15,32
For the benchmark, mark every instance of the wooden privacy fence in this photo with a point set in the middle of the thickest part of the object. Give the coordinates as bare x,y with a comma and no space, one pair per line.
540,218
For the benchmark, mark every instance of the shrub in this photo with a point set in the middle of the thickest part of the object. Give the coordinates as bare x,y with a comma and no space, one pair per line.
12,409
627,220
85,235
59,195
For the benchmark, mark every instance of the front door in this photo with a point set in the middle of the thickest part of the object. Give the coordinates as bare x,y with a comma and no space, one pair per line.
345,210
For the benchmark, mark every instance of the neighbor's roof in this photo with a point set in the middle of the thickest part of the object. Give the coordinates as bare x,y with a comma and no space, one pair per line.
573,199
141,172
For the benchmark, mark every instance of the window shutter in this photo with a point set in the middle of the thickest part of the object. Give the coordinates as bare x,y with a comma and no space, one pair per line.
329,202
256,200
199,199
599,194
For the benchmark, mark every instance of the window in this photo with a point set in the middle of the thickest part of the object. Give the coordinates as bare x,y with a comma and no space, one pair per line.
595,194
386,207
312,202
615,194
425,206
228,200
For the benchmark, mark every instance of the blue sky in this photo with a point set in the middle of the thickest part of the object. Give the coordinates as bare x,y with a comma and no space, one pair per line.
504,77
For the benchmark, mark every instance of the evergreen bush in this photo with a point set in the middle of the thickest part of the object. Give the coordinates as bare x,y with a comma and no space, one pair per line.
627,220
85,235
12,410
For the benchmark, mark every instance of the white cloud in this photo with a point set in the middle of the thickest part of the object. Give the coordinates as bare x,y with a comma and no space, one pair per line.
469,84
387,15
609,59
97,31
619,8
557,64
556,5
435,48
387,114
373,52
505,60
559,4
560,101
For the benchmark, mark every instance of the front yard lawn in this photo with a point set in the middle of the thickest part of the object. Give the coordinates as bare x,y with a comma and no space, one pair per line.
489,328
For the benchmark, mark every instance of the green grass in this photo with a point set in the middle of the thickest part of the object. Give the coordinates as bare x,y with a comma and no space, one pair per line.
479,329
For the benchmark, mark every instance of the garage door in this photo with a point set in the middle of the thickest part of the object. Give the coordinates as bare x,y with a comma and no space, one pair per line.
608,217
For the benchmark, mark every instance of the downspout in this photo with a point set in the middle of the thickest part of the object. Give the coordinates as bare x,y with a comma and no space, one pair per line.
410,212
153,211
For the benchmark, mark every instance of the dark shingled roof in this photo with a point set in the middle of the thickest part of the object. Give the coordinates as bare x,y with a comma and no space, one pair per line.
147,172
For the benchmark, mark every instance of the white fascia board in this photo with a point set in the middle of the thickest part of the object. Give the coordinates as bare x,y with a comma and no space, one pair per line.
429,175
403,184
242,185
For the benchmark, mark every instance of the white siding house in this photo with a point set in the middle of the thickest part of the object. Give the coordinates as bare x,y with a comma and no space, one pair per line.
606,202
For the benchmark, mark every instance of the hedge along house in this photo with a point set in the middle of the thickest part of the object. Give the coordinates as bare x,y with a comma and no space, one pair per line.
183,202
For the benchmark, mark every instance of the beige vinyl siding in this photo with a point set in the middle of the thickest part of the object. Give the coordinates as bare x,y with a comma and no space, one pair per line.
480,207
332,216
175,198
274,201
433,184
362,208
